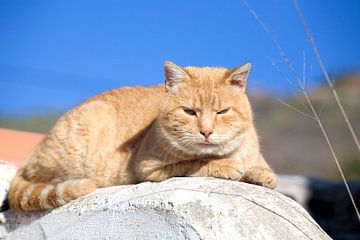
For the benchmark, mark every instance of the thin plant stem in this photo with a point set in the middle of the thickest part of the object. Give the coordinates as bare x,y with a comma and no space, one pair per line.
323,69
332,153
307,98
296,109
337,99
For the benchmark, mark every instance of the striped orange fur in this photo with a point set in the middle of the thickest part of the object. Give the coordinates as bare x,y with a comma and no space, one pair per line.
199,124
30,196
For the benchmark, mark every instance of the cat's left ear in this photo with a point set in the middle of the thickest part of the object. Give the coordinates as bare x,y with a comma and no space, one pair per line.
174,76
238,75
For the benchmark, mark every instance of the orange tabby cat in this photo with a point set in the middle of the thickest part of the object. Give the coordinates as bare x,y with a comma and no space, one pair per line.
199,124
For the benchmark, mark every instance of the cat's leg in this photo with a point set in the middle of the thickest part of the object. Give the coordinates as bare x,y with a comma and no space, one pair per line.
223,168
260,175
155,171
220,168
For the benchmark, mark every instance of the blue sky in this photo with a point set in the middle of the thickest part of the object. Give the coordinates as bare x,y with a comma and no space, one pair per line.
54,54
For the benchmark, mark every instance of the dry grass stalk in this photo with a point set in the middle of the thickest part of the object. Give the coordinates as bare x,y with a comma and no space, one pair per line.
301,84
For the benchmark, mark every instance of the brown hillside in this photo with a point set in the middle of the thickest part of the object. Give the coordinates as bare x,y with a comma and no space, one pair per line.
294,144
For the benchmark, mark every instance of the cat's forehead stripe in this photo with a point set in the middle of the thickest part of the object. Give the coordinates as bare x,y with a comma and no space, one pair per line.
205,82
204,98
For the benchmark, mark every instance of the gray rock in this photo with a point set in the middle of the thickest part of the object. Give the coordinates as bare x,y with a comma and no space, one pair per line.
179,208
7,172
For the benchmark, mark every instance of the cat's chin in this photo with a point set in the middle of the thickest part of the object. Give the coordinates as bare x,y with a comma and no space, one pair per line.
204,148
207,149
200,149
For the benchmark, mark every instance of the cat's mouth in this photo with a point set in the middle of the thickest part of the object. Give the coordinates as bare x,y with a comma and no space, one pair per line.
206,143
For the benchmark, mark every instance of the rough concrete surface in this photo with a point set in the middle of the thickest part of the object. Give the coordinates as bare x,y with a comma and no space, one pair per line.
7,171
179,208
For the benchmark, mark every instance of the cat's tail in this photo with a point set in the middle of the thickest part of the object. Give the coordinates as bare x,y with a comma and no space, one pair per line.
27,196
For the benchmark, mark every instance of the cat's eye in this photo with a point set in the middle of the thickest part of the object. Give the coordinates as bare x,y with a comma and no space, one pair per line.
223,111
189,111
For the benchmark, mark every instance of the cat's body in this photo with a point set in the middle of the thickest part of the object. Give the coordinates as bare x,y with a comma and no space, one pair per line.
199,124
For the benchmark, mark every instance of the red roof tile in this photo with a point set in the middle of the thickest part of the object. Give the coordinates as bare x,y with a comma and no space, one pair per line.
15,146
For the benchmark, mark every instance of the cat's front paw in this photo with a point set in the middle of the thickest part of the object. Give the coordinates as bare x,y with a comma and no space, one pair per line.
260,176
226,169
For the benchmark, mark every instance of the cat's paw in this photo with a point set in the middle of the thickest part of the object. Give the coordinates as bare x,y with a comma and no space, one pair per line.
226,169
260,176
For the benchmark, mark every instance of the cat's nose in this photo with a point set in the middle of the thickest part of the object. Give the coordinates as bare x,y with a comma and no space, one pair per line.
206,133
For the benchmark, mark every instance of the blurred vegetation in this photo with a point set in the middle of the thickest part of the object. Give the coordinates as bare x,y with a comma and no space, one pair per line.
351,168
39,124
294,144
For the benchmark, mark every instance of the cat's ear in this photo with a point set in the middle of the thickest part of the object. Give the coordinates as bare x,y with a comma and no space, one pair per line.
238,76
174,76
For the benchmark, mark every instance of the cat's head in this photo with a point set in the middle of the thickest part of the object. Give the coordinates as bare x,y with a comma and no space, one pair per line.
205,110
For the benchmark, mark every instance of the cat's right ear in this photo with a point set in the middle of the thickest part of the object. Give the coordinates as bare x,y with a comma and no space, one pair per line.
174,76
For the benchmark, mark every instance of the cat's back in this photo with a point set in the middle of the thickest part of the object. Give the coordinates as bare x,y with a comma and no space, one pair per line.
132,107
92,140
127,111
135,101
